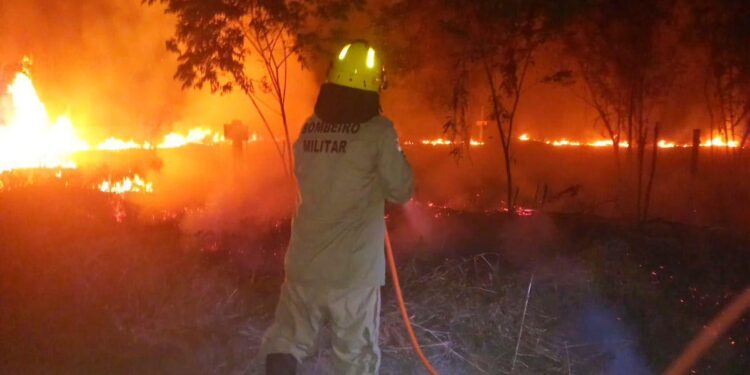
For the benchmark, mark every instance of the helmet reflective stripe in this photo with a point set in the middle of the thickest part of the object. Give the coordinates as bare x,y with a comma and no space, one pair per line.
358,66
344,50
370,58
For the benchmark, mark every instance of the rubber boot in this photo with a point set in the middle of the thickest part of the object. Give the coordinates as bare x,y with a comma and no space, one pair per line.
281,364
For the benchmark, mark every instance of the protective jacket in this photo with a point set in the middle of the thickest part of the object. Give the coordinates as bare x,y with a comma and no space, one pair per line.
345,172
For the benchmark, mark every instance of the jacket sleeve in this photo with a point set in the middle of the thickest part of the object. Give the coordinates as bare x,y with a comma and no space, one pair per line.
395,172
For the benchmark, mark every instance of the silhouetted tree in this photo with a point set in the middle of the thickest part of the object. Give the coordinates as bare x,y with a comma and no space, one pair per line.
494,41
590,42
626,56
216,42
722,28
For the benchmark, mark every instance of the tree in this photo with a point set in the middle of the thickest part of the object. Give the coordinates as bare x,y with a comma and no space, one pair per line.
722,28
216,41
589,44
623,52
494,41
501,38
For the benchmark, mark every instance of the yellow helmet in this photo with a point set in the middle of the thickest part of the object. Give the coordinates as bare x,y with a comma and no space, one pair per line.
358,66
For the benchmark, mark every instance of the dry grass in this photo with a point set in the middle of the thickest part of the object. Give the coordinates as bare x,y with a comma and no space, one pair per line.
88,294
469,312
82,293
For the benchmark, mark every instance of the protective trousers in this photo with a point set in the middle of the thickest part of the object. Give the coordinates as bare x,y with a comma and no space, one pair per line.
354,317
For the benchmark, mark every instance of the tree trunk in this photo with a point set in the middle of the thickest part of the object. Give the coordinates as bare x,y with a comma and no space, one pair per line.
652,173
509,178
631,113
503,138
290,152
616,150
268,128
743,141
640,156
695,152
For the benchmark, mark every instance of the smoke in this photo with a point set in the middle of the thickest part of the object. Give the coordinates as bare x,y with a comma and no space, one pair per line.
105,64
529,239
600,325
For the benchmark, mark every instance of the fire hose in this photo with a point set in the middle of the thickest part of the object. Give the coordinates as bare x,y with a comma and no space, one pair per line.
695,350
698,347
402,306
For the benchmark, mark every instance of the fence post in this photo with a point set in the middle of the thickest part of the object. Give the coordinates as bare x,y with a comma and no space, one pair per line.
696,152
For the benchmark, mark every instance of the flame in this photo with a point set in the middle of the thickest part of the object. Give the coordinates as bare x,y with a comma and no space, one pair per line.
719,141
564,142
134,184
602,143
199,135
194,136
447,142
28,138
115,144
664,144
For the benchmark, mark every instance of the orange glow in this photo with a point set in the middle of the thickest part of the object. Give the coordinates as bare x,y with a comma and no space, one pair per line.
601,143
564,142
199,135
664,144
446,142
719,141
194,136
134,184
28,137
114,144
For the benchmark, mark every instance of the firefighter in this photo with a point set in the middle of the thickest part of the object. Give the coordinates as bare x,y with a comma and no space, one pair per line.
348,162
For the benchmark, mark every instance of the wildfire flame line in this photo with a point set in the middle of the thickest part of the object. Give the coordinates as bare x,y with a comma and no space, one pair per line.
198,135
444,142
30,139
717,141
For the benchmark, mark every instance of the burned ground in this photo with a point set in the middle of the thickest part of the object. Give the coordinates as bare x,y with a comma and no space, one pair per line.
84,293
